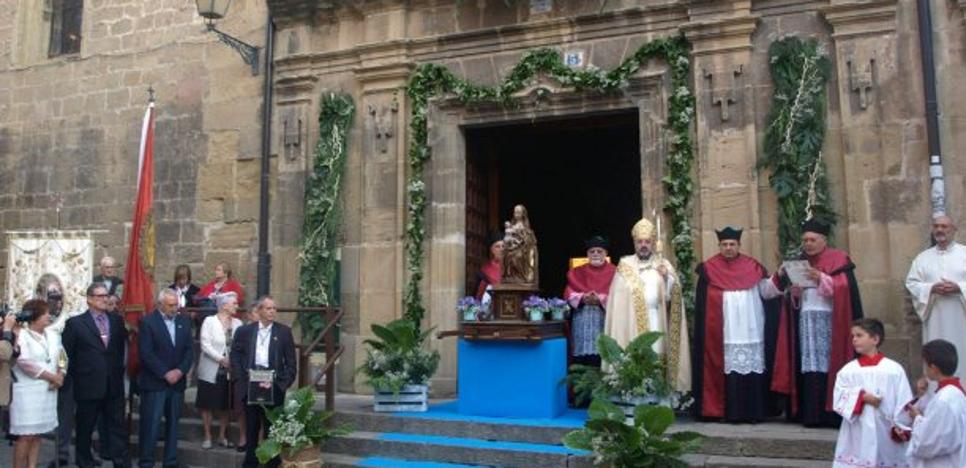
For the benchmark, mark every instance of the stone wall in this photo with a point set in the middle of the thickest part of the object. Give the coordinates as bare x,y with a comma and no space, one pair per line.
70,128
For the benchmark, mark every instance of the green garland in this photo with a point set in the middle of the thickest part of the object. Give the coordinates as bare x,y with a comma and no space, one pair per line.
317,256
430,80
793,141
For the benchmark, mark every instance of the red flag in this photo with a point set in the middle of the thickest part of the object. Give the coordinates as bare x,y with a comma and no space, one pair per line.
138,296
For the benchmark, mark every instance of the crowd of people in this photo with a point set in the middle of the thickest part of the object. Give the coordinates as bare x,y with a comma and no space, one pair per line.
66,374
796,342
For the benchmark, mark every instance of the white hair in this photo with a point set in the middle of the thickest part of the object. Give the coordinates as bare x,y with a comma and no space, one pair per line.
222,299
107,259
167,292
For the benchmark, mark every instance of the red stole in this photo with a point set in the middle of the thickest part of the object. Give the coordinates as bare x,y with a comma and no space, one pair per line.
951,381
492,273
738,274
874,360
834,263
587,278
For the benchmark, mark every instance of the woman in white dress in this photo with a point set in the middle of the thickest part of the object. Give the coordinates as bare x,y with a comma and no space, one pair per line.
213,379
39,373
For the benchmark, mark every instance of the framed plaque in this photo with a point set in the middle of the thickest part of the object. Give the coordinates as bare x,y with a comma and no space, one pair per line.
257,394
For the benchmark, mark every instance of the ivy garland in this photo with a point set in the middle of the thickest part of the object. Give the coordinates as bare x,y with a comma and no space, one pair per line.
793,141
317,255
430,80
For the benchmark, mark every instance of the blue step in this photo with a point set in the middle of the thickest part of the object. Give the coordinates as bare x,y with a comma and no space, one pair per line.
384,462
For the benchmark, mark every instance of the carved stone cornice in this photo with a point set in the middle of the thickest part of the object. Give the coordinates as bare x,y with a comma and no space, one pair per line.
295,89
865,18
962,6
720,35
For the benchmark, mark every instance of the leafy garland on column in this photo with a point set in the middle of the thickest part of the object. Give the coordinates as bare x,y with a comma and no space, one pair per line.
793,141
430,80
317,256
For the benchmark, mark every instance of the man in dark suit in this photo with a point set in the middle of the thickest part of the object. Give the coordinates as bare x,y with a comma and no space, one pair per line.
108,276
267,345
95,342
166,355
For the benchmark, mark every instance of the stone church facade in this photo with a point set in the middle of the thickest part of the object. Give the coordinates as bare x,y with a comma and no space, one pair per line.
69,129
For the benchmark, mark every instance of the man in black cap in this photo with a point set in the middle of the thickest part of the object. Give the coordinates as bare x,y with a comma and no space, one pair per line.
586,291
814,339
729,380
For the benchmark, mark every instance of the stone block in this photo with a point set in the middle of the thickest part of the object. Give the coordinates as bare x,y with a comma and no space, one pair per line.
222,146
232,236
608,54
381,226
895,200
215,181
211,210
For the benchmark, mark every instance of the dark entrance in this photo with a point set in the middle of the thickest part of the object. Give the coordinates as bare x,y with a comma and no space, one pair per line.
577,177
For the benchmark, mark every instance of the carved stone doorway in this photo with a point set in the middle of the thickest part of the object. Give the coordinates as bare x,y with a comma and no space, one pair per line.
577,176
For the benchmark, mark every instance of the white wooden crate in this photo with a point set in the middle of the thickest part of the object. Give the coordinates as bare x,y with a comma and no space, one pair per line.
410,398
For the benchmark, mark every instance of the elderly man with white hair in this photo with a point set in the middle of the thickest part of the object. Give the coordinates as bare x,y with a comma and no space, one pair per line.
108,276
166,354
937,282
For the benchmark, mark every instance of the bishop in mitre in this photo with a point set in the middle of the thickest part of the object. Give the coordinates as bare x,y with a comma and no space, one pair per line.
645,296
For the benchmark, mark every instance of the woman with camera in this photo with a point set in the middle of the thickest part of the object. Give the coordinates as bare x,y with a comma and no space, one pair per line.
213,395
38,374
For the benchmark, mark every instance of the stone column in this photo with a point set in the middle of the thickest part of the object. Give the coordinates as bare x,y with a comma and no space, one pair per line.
726,157
882,132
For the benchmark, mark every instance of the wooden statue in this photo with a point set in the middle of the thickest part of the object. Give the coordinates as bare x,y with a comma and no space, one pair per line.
520,249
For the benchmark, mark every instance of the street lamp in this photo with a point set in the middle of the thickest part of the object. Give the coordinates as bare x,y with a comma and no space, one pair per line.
213,10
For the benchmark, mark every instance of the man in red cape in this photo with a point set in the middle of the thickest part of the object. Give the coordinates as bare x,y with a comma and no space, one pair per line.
731,334
586,291
814,339
492,271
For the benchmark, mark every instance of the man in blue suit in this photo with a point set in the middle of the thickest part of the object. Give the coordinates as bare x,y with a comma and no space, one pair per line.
166,355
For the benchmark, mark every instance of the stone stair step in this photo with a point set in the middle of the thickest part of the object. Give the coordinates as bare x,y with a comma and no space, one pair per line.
533,431
721,461
190,453
460,450
347,461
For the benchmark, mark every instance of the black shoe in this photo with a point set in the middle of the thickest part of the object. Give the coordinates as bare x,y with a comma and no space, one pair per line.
241,448
54,464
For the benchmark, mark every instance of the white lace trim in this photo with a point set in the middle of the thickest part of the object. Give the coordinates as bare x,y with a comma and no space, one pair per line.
744,358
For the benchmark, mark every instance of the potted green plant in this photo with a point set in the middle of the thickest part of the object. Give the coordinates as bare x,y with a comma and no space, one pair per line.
627,377
398,367
644,443
297,431
535,307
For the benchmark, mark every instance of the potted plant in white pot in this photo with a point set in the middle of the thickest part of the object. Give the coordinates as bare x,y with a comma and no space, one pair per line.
296,431
398,367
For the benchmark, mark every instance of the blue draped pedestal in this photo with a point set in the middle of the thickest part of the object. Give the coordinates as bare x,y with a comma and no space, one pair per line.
512,378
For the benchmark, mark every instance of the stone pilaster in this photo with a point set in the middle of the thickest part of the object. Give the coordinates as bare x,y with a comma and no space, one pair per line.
879,110
376,256
726,156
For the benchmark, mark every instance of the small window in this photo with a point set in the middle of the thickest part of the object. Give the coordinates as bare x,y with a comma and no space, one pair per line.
65,26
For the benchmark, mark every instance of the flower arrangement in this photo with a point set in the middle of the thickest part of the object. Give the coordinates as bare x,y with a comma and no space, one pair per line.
558,308
397,358
535,307
636,373
470,309
643,443
296,426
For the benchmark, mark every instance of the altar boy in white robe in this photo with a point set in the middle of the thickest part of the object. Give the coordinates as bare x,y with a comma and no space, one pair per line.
938,436
937,283
870,393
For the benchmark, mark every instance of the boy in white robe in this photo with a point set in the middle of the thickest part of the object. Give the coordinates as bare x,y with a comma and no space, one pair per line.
869,394
938,436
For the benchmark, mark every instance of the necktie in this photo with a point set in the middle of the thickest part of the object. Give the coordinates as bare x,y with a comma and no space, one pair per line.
101,321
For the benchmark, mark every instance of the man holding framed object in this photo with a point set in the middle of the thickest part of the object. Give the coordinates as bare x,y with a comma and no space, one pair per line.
263,359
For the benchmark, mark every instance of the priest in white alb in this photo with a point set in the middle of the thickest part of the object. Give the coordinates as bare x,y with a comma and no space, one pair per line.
645,296
937,282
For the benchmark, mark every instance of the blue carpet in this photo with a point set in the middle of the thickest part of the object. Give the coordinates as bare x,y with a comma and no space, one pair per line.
479,443
380,462
571,418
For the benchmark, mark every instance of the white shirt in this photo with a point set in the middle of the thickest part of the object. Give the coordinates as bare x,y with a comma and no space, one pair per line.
937,434
943,315
263,340
864,439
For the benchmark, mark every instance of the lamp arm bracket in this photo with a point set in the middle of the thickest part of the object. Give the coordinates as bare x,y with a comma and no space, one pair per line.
248,52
